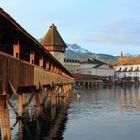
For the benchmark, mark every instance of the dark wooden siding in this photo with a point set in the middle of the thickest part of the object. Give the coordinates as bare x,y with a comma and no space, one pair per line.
18,72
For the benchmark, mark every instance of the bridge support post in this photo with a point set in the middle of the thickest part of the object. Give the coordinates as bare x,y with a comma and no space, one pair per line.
25,108
20,137
20,104
53,112
53,97
4,118
57,93
38,105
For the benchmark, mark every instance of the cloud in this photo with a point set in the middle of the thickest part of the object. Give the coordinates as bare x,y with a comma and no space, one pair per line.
124,32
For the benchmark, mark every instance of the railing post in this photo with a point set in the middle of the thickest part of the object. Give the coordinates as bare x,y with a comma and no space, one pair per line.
47,65
16,49
32,57
41,62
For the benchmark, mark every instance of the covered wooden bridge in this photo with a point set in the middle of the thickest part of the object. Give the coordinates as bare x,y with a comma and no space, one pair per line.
28,71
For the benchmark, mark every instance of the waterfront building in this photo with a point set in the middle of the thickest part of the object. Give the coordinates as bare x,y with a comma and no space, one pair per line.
127,67
72,65
54,43
96,67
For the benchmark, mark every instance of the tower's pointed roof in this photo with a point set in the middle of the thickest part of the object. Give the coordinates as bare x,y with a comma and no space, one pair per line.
121,56
53,38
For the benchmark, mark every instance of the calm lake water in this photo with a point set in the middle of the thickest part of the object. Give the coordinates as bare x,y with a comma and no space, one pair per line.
100,113
105,113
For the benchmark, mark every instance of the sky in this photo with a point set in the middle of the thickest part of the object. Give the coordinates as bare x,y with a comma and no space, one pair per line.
101,26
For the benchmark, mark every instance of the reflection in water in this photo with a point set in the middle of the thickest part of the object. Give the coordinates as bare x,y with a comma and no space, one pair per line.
105,113
47,127
50,125
99,113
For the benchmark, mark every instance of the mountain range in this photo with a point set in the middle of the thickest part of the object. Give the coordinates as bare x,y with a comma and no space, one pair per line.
75,51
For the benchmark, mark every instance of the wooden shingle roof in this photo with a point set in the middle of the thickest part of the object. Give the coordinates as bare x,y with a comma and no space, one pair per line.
53,38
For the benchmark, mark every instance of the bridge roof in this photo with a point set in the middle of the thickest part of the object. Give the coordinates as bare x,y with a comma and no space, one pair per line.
53,38
24,34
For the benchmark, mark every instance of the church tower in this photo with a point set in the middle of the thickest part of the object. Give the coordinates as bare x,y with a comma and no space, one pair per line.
121,57
54,43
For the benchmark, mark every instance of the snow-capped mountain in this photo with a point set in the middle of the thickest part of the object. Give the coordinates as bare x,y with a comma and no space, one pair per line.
76,48
75,51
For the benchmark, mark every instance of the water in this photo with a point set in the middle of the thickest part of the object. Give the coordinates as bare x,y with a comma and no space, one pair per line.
104,114
100,113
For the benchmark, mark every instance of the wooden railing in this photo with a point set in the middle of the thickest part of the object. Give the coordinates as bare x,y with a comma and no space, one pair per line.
21,73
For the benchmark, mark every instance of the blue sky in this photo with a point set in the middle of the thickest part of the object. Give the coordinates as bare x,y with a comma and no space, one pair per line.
101,26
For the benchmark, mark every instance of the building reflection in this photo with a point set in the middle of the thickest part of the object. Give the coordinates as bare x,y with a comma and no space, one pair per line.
129,98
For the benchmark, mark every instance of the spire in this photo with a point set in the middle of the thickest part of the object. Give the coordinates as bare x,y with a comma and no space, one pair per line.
121,56
53,38
53,42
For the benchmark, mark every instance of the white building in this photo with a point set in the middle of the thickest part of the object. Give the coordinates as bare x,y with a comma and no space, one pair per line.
131,71
96,67
127,67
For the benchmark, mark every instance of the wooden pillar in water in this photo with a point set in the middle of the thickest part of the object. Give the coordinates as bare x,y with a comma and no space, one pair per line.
38,104
38,128
20,136
25,108
4,118
53,98
53,112
57,94
20,104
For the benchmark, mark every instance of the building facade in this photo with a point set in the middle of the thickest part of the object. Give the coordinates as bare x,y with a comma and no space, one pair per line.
96,67
72,65
127,67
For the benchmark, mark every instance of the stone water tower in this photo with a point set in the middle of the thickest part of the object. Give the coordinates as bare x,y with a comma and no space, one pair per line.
54,43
